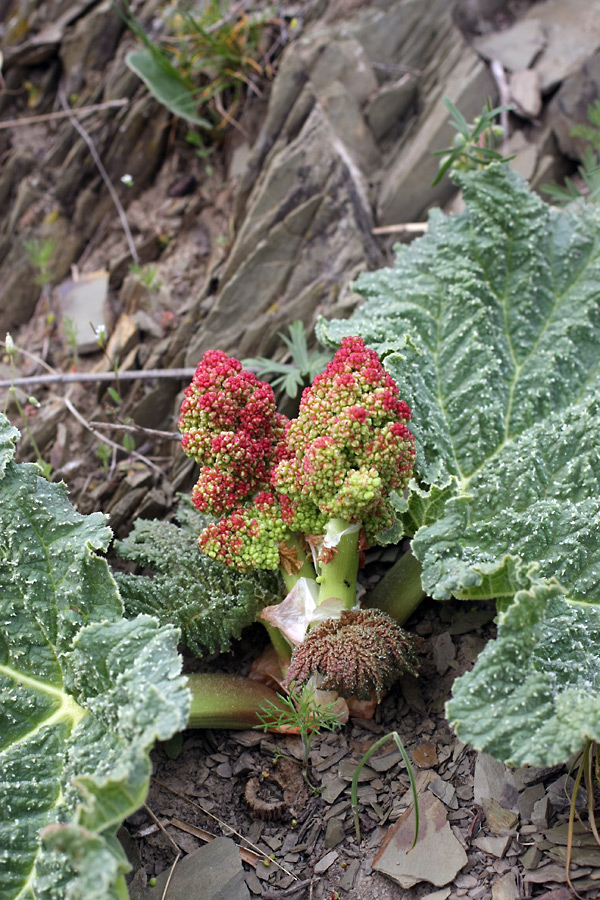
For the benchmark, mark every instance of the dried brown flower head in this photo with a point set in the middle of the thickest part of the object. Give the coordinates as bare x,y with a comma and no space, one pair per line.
361,653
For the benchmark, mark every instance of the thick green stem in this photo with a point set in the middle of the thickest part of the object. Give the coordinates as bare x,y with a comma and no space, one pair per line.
399,592
338,577
307,570
227,701
281,646
121,888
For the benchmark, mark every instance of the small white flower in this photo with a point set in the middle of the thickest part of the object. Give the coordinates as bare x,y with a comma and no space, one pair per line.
9,345
127,180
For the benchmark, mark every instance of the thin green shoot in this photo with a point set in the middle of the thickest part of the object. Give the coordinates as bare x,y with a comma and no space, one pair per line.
71,336
301,714
411,775
104,453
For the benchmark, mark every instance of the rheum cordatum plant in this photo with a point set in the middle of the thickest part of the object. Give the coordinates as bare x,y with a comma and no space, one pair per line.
306,496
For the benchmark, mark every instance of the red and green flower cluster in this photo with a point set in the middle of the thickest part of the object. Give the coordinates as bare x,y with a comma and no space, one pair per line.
349,447
231,427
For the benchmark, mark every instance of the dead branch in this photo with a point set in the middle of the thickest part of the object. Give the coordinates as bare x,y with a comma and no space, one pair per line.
49,117
96,377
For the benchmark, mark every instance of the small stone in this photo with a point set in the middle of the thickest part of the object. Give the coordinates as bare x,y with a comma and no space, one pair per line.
211,872
494,846
531,858
466,881
444,652
545,874
385,763
542,813
515,47
494,780
464,792
525,92
506,888
437,856
558,894
347,879
253,882
348,767
334,833
437,895
499,819
80,303
224,770
325,862
528,798
333,789
445,792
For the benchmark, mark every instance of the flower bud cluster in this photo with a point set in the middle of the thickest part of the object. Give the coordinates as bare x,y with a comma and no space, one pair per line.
231,427
349,447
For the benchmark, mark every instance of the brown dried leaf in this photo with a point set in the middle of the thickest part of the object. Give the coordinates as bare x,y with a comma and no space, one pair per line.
288,559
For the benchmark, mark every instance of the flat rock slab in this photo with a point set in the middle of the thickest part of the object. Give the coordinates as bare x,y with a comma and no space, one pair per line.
437,855
572,32
213,872
515,47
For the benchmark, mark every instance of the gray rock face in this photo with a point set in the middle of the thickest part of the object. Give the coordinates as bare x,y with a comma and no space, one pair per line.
333,147
307,228
572,32
455,72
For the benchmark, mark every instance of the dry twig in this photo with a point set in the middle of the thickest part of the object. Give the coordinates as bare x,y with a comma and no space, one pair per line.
110,187
137,429
223,824
170,839
93,377
49,117
106,440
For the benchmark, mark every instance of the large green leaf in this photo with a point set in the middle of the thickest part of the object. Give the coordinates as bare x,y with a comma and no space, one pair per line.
534,694
490,324
84,694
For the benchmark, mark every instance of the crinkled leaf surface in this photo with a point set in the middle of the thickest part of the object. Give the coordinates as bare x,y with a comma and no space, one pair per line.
211,603
490,324
534,694
84,694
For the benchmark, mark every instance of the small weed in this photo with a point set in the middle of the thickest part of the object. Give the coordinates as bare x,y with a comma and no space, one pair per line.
71,336
104,453
305,365
473,145
206,63
302,714
40,255
147,276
